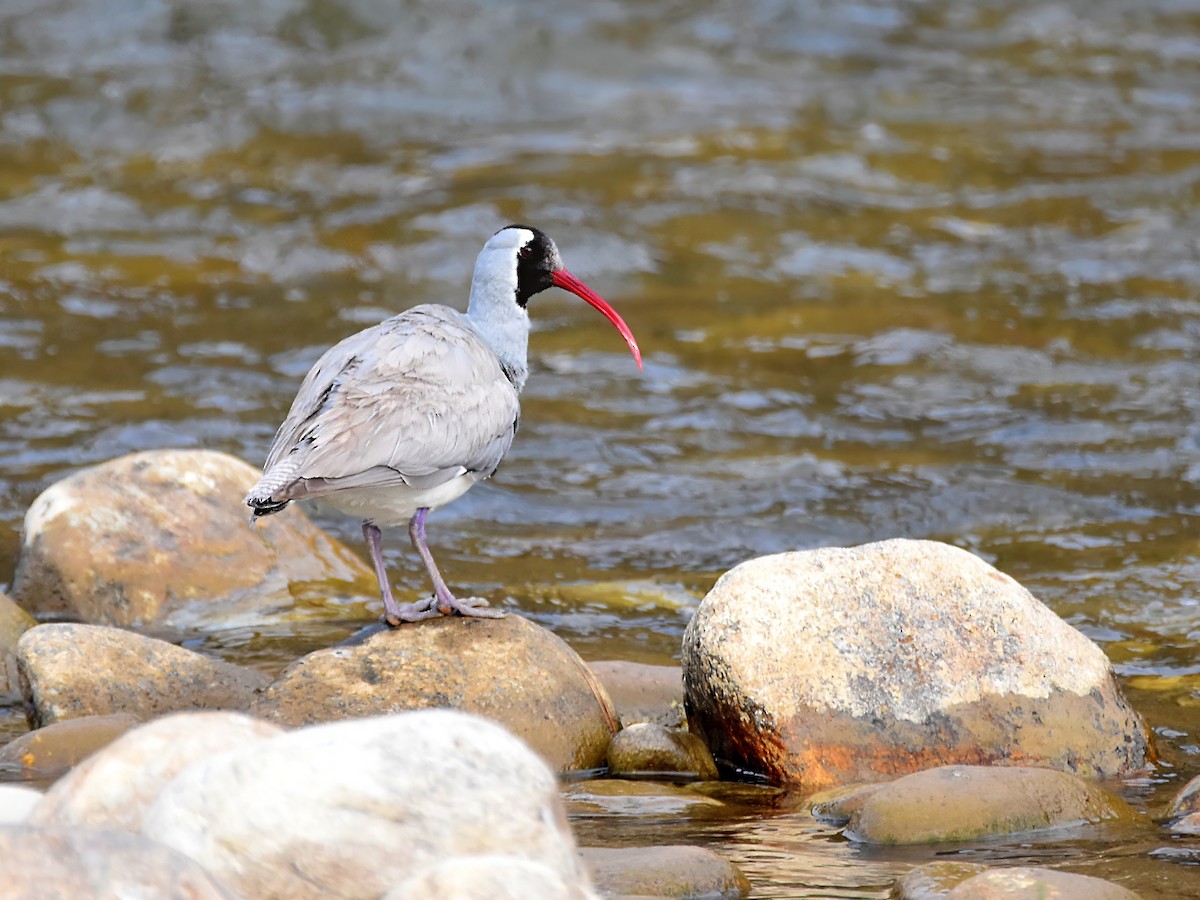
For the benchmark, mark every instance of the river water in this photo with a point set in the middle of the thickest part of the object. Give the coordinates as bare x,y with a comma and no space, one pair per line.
922,269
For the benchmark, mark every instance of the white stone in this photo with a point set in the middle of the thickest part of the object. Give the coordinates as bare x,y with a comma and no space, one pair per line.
490,878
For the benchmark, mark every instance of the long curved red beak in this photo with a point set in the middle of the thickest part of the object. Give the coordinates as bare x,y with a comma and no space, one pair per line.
568,282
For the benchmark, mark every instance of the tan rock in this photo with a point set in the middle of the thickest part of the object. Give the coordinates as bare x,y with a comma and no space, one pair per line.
933,881
508,670
163,537
833,666
351,809
618,797
14,622
90,863
114,787
641,692
669,871
1030,883
490,878
645,748
45,754
86,670
963,803
1183,816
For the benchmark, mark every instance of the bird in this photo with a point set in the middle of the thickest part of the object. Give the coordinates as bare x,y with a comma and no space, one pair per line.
405,416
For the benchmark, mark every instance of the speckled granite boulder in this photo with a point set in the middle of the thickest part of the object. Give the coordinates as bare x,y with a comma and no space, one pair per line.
839,665
163,537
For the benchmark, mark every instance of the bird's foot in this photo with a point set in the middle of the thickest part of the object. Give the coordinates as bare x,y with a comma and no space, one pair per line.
468,606
411,612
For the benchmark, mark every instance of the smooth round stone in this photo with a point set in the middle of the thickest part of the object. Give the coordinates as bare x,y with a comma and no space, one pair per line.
114,787
490,878
646,748
840,665
353,808
642,692
14,622
16,803
90,670
1183,815
613,796
45,754
509,670
963,803
161,537
667,871
1031,883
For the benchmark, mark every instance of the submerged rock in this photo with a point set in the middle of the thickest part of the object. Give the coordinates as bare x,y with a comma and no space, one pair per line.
144,538
832,666
641,692
490,878
969,881
669,871
618,797
115,787
351,809
88,670
508,670
963,803
1183,815
87,863
647,748
45,754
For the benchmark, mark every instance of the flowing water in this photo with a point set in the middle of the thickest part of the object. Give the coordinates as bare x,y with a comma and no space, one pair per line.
900,268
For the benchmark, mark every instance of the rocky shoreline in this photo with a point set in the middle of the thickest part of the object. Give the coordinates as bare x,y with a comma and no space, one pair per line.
905,690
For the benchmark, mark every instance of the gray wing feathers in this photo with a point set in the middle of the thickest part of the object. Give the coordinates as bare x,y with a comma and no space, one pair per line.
418,399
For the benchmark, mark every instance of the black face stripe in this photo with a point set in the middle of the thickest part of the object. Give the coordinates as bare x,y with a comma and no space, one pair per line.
536,262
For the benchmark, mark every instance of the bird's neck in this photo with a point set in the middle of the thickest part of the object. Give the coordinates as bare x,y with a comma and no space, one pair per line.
494,312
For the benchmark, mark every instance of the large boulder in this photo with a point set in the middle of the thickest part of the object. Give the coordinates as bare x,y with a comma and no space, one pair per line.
509,670
89,670
114,787
351,809
495,877
161,537
840,665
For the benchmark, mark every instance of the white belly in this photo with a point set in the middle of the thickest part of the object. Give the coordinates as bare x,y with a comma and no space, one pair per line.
389,506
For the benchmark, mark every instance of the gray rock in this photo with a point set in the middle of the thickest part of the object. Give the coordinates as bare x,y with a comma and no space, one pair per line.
490,878
91,863
833,666
646,748
509,670
115,787
162,537
89,670
669,871
962,803
353,808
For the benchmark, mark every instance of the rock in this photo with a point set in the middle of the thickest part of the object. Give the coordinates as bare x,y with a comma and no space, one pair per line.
933,881
1183,816
670,871
834,666
837,805
1029,883
90,863
47,753
641,692
490,878
647,748
16,803
613,796
115,787
14,622
86,670
161,537
353,808
508,670
963,803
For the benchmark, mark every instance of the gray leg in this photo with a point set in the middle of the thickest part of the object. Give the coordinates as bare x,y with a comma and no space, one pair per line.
393,613
446,601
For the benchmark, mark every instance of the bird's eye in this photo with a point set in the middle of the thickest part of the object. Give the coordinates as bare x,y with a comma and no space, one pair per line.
526,252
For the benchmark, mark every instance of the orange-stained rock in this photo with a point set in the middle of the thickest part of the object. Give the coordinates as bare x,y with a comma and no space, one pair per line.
841,665
47,753
88,670
160,537
508,670
965,803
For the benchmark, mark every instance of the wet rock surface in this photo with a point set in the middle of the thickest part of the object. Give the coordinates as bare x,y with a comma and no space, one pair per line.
646,748
14,622
837,665
962,803
114,787
669,871
70,671
642,692
508,670
967,881
86,863
1183,815
161,537
490,878
379,797
45,754
616,796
